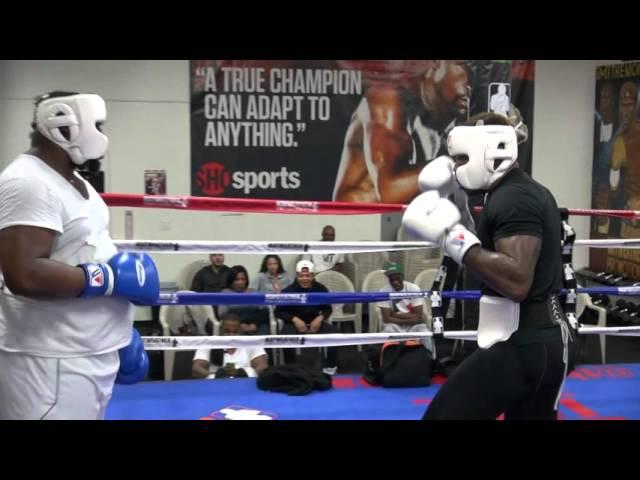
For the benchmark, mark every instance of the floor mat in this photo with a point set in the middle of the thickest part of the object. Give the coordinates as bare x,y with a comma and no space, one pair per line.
592,392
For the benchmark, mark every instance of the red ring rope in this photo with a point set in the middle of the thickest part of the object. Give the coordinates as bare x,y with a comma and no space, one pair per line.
252,205
249,205
587,212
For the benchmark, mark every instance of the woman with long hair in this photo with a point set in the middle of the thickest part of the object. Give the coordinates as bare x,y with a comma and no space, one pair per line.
254,319
272,277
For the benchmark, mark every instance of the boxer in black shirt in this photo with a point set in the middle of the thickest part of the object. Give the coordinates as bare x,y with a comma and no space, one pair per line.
521,365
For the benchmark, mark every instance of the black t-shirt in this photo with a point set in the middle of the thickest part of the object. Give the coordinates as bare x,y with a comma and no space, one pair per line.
521,206
305,313
208,280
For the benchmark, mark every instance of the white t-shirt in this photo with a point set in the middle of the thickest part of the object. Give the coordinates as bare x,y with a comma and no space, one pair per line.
241,358
34,194
606,132
402,305
324,261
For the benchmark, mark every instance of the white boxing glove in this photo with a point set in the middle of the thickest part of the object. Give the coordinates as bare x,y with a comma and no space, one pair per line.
438,175
458,241
434,219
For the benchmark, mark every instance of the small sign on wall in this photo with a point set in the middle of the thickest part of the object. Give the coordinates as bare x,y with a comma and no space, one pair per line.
155,182
499,98
128,225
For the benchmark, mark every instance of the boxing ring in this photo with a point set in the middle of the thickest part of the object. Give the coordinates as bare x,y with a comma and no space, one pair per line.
590,393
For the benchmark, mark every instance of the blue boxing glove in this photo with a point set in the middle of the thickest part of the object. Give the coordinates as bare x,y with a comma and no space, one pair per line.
130,275
134,361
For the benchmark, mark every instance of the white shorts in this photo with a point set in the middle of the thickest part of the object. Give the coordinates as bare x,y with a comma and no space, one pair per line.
42,388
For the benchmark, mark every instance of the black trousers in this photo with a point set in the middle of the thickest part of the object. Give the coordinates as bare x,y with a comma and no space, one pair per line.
521,378
325,327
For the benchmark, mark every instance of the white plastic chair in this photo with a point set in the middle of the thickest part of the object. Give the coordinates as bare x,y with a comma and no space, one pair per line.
365,263
415,261
373,282
337,282
172,318
424,280
583,302
397,256
350,269
185,277
275,325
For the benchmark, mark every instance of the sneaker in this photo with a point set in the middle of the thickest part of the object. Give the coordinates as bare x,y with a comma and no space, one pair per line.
330,370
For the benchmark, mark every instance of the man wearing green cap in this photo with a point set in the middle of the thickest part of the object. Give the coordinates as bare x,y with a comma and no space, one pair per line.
402,315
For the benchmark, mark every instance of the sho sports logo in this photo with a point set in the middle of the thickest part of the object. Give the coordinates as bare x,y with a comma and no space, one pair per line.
213,179
285,340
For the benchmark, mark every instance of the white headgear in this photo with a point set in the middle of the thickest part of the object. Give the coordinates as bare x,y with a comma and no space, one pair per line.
483,145
80,113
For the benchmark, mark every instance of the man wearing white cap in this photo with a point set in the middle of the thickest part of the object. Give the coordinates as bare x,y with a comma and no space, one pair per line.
307,319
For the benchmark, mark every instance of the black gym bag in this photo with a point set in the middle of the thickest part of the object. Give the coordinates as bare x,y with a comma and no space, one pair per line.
399,364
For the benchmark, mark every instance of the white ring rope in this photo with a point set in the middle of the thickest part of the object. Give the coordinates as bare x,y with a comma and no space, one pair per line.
283,247
610,243
330,340
167,246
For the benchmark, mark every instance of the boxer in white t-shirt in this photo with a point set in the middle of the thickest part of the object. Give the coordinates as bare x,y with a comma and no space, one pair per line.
66,315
